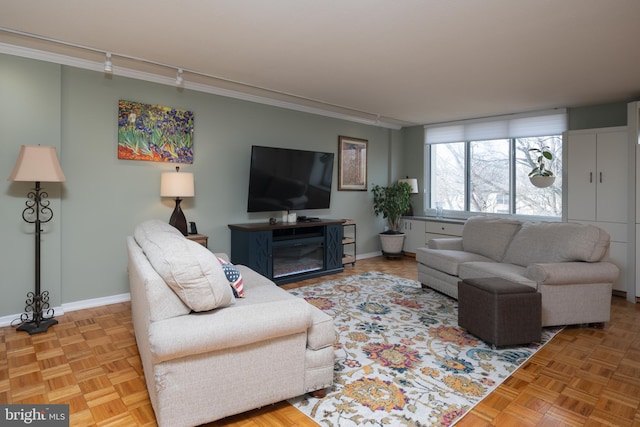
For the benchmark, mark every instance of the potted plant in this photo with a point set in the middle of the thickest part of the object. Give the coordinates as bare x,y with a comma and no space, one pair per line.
541,176
392,203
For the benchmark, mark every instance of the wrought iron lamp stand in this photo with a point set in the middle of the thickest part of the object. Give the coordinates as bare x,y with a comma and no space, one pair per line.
37,316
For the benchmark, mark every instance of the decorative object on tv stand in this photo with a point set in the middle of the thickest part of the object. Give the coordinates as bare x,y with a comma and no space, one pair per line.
392,203
177,184
413,183
39,164
541,176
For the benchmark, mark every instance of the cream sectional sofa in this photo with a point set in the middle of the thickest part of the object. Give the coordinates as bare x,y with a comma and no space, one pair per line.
561,260
206,354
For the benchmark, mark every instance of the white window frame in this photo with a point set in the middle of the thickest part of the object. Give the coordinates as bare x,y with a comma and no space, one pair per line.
533,124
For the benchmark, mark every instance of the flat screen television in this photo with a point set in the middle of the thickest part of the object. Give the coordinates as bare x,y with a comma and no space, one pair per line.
284,179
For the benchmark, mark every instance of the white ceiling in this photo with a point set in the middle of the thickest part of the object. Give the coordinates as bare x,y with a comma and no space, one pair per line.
407,61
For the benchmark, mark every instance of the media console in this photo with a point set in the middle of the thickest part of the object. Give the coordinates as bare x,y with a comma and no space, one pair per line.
288,252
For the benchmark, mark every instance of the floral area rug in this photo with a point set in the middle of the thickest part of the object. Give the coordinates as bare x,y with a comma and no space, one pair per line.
401,358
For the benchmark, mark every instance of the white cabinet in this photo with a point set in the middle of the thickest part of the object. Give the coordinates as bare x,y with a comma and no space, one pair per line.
414,235
440,229
596,165
419,231
597,175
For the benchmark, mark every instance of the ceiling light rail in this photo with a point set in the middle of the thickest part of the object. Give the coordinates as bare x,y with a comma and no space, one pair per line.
349,113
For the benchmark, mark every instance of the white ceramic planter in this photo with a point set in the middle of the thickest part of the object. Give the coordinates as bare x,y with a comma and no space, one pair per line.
542,181
392,244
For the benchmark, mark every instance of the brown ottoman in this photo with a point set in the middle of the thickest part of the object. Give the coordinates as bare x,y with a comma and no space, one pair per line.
499,311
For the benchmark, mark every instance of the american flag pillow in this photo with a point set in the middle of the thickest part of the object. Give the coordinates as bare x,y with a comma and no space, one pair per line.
234,277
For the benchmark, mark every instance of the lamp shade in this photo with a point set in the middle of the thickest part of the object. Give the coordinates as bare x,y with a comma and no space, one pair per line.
413,183
37,163
176,184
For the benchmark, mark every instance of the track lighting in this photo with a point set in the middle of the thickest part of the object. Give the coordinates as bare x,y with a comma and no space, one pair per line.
179,78
108,66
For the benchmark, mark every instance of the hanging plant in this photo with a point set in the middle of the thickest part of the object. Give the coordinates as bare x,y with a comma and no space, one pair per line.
541,176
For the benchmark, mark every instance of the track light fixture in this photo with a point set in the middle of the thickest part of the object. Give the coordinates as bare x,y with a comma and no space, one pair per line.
179,78
108,66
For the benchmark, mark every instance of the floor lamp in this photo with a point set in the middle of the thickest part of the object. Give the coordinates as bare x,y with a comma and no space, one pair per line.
38,164
177,184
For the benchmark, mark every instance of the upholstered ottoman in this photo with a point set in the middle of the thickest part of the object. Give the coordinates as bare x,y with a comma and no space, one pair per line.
499,311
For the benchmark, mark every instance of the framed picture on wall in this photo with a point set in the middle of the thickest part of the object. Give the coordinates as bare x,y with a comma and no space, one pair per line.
352,164
154,132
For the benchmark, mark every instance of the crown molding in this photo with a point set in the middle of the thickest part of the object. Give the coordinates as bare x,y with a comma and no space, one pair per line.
71,61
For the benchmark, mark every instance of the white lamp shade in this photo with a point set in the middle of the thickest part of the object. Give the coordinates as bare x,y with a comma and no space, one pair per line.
176,184
37,163
413,183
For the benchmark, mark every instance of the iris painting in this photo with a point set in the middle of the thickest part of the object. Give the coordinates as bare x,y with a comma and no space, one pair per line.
154,133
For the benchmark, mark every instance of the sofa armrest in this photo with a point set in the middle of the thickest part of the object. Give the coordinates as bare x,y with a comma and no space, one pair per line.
452,243
227,327
563,273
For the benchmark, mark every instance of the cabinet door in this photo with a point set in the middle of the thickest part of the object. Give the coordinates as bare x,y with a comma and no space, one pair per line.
333,249
611,179
414,235
618,255
253,250
581,179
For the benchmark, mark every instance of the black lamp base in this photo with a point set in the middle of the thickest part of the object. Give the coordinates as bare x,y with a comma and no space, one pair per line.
177,218
34,327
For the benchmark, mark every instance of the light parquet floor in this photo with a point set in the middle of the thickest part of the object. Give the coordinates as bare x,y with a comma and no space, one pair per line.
583,377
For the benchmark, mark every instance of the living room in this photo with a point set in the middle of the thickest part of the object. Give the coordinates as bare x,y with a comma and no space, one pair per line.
103,198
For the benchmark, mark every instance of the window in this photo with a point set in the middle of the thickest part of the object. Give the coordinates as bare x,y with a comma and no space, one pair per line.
490,174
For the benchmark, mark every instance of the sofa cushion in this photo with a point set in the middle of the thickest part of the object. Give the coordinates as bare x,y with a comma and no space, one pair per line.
512,272
187,267
548,242
489,236
446,260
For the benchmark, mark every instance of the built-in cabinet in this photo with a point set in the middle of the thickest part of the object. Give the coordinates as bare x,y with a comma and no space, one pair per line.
440,229
419,231
597,177
414,235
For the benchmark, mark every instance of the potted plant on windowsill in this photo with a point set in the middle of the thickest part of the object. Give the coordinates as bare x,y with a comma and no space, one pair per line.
392,203
541,176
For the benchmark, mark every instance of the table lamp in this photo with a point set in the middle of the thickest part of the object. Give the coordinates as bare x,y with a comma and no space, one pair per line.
177,184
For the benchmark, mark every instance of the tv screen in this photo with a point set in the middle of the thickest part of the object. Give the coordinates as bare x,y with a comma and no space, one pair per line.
283,179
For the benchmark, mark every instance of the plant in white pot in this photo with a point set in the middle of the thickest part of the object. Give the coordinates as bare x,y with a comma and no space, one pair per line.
392,203
541,176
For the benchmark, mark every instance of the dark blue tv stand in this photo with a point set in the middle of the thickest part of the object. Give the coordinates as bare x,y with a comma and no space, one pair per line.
289,252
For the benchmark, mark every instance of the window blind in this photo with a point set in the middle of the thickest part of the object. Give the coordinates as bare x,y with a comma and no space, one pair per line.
552,122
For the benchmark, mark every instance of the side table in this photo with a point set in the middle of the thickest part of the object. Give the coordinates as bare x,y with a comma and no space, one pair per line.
199,238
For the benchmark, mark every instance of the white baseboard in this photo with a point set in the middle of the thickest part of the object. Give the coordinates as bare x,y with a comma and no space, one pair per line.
72,306
369,255
113,299
96,302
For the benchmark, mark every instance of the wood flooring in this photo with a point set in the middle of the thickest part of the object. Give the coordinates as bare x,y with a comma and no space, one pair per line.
583,377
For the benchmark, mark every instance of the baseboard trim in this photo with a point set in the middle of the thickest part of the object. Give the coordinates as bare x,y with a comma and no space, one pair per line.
369,255
72,306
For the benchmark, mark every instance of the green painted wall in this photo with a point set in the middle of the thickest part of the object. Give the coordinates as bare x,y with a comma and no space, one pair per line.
84,252
29,115
83,248
597,116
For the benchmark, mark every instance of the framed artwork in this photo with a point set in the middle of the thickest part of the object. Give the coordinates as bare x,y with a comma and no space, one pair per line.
352,164
154,133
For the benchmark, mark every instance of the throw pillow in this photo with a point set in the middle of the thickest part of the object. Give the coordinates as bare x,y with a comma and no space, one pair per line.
234,277
187,267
